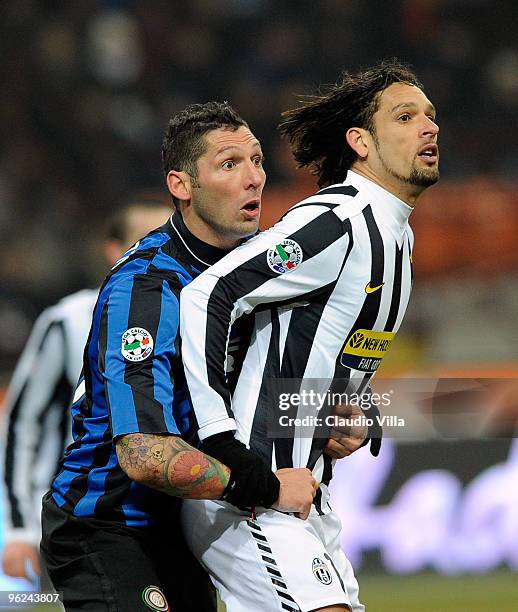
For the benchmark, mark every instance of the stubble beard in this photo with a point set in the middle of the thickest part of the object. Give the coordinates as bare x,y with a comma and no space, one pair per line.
235,230
418,177
423,177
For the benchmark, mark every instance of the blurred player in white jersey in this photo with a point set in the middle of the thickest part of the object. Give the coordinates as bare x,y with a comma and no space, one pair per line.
37,420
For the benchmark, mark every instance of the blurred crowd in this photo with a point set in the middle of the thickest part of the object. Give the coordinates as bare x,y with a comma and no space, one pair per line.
87,89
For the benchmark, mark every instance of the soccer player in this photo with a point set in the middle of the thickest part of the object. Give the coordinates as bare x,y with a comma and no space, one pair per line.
328,287
37,419
110,525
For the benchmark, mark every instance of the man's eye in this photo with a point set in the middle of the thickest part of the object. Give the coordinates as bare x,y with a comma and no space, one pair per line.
228,165
258,161
404,118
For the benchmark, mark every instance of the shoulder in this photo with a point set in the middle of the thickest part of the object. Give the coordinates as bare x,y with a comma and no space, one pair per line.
81,301
69,307
152,263
341,201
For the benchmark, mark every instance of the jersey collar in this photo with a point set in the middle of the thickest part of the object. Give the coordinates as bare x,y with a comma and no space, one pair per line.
384,202
203,253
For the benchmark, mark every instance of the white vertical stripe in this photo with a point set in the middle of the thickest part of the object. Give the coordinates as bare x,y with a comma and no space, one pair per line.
247,391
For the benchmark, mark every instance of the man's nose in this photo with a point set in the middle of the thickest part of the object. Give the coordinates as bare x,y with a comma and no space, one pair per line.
430,127
255,176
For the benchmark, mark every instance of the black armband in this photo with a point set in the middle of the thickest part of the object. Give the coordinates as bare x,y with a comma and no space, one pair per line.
252,482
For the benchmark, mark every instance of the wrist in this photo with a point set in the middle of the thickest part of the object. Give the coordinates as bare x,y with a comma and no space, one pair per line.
251,482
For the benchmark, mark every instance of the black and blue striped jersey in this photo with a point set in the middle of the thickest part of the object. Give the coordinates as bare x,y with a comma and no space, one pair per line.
132,379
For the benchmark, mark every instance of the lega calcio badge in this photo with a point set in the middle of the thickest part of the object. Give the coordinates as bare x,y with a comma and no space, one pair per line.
137,344
284,257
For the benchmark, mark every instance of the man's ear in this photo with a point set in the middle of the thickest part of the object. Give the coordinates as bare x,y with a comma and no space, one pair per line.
357,139
179,184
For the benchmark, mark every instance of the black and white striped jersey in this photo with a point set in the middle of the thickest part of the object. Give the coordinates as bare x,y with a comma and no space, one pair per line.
37,420
328,285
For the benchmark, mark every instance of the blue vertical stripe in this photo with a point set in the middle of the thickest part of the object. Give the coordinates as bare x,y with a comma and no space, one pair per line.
95,487
164,352
119,392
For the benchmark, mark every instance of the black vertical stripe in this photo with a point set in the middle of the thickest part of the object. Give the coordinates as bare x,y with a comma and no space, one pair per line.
65,425
301,333
365,320
371,304
260,443
363,385
116,486
145,305
102,345
328,470
79,485
299,340
396,289
241,337
221,302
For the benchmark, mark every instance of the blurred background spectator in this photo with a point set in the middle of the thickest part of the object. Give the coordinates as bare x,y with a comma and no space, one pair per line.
87,89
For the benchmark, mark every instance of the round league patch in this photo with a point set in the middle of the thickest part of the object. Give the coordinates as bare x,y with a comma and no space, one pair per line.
154,599
321,571
284,257
137,344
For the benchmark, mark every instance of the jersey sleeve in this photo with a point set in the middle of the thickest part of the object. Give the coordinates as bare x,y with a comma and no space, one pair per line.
297,257
137,345
39,392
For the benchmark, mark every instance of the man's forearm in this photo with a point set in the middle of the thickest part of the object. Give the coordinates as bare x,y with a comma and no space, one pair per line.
169,464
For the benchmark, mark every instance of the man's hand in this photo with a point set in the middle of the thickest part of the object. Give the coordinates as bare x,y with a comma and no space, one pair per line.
346,436
15,557
298,488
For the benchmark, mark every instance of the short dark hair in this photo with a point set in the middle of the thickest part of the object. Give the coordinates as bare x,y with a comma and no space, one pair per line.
316,129
116,226
183,142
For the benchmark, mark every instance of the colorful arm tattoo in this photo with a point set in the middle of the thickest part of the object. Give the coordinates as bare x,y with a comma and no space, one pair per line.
169,464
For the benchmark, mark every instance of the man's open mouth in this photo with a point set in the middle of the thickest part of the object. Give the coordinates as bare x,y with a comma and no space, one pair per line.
251,209
251,206
429,152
